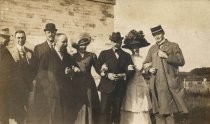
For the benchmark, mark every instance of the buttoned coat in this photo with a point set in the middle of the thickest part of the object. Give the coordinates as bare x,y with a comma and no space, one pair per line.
115,65
164,85
112,92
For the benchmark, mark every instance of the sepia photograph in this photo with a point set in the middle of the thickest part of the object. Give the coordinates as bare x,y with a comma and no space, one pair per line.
104,62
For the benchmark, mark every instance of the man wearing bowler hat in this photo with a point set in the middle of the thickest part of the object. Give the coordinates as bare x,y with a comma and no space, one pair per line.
40,100
165,58
114,67
50,31
6,70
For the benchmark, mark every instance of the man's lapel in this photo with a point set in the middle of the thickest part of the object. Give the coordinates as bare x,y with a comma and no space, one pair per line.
65,58
15,53
55,55
112,54
165,46
121,59
46,46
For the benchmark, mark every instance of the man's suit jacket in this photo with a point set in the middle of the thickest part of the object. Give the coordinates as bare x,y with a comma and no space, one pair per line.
55,68
21,82
116,66
39,50
6,69
6,66
58,86
23,68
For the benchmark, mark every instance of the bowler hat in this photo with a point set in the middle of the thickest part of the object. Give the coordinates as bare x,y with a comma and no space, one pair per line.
84,39
135,39
157,30
115,37
5,32
50,27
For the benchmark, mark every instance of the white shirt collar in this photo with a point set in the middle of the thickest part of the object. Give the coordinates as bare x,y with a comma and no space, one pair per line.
160,43
117,56
114,48
20,48
50,44
58,52
56,49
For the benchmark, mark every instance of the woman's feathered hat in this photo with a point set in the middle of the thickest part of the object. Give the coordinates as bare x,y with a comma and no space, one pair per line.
84,39
135,39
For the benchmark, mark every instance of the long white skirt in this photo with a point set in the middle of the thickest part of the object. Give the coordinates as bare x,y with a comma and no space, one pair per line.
135,117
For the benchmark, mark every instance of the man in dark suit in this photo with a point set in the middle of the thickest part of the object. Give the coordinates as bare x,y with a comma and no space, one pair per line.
22,79
36,114
56,71
6,70
40,49
113,66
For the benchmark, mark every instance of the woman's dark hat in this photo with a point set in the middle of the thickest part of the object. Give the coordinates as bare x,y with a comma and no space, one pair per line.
115,37
84,39
157,30
50,27
135,39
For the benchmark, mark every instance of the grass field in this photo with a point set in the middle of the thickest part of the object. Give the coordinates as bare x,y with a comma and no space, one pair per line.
199,110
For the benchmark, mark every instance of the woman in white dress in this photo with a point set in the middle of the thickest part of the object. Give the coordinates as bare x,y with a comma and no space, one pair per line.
136,104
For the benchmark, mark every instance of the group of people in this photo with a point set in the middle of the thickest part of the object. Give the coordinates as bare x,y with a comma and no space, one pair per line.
64,88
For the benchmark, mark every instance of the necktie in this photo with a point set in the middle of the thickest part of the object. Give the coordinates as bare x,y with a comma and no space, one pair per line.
22,54
51,46
118,51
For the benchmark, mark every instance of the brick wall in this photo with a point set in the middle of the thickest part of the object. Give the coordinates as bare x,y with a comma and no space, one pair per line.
70,16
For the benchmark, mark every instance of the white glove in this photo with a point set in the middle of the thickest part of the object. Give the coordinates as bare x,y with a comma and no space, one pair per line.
153,70
121,76
67,70
146,65
76,69
162,54
131,67
104,67
112,76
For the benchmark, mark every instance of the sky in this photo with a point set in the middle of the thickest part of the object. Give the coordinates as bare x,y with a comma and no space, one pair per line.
186,22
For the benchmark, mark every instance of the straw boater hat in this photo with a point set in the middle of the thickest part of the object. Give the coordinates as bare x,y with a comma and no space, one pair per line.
157,30
135,39
84,39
